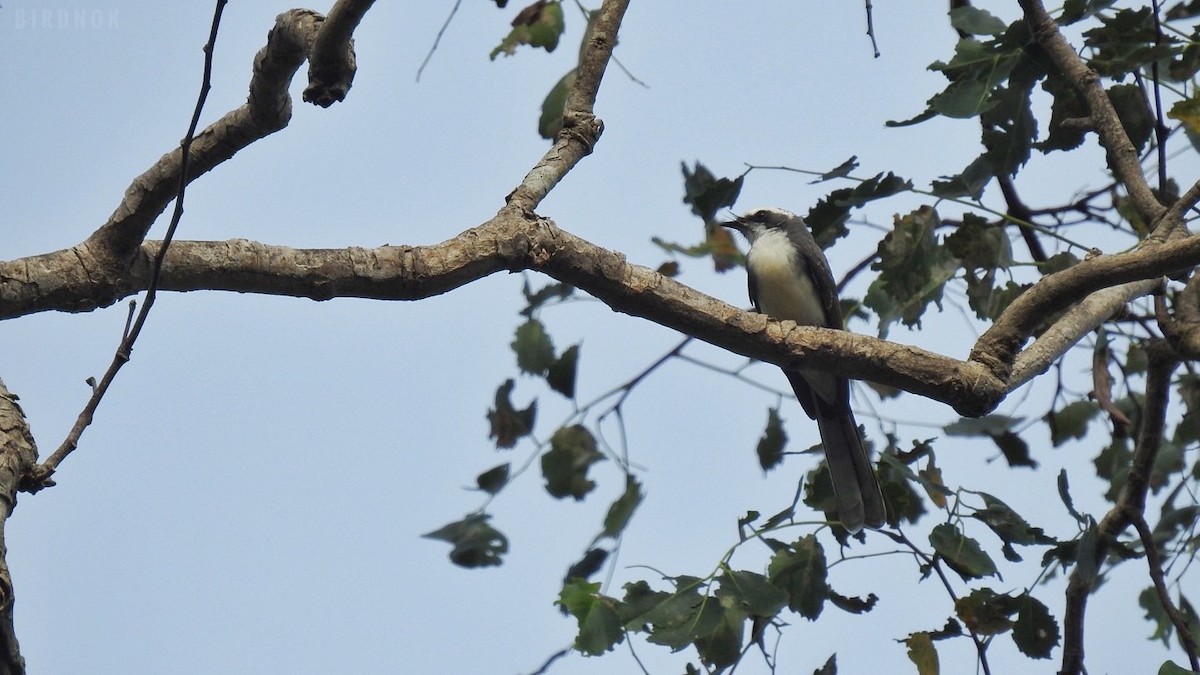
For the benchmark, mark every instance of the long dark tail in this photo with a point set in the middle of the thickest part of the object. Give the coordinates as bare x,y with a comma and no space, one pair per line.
826,398
857,491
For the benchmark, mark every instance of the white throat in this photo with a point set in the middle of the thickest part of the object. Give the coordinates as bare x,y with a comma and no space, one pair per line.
783,286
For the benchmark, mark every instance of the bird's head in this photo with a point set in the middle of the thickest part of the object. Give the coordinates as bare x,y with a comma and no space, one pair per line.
759,221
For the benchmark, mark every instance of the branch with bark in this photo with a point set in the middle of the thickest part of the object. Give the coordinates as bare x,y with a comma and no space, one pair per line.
117,261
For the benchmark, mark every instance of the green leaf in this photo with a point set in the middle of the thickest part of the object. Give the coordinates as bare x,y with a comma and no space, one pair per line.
976,69
1187,112
561,374
1112,464
1071,421
1064,493
550,122
1068,105
1126,41
677,618
897,483
535,351
828,218
534,300
750,593
986,612
494,479
722,647
840,171
1087,563
774,439
622,510
800,570
830,667
507,423
565,466
922,653
1058,262
853,605
1075,10
1036,631
969,183
1134,112
1171,668
1015,449
975,21
999,429
475,542
1155,613
979,244
586,566
1009,526
913,269
1009,126
538,25
961,553
706,193
599,627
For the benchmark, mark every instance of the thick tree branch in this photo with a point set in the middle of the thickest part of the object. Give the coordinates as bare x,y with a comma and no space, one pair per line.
267,110
17,453
331,63
514,241
998,346
1122,155
517,241
1182,329
1082,318
581,128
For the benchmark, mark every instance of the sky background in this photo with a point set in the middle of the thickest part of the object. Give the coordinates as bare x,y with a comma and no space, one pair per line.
252,493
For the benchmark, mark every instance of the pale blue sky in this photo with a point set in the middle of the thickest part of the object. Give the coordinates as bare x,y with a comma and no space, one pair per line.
251,496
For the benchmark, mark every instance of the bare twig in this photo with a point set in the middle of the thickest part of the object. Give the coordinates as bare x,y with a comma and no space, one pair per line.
1154,562
871,27
930,563
437,39
46,469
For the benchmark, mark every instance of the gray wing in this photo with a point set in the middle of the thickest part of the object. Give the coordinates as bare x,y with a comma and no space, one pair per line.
821,275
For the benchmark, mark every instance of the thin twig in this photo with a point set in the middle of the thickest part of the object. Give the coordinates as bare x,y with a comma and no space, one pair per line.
1160,587
980,645
871,27
438,38
131,333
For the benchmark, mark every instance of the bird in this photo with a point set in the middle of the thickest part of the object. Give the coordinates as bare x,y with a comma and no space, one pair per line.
789,278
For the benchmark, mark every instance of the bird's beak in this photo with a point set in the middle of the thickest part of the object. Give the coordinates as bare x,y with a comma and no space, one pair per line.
735,224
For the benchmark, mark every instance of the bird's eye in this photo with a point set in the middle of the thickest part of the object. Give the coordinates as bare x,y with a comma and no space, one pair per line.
759,215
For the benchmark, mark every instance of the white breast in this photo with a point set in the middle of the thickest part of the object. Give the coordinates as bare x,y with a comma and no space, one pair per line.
784,288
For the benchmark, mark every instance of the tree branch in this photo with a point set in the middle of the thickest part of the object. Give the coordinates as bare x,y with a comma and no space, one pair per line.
18,452
1083,318
1122,156
1130,504
267,110
581,128
1154,562
331,64
998,346
513,241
